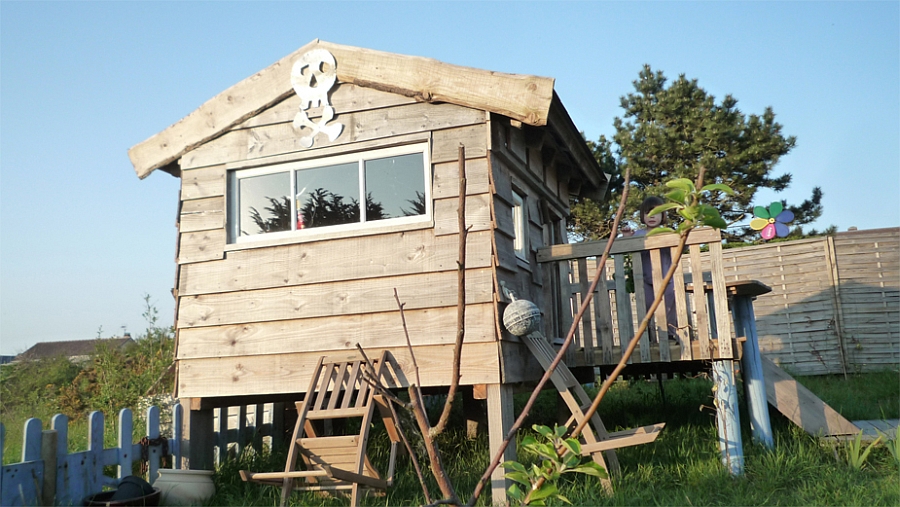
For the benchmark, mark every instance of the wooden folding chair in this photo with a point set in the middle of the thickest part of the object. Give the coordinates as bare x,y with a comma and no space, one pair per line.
594,438
338,393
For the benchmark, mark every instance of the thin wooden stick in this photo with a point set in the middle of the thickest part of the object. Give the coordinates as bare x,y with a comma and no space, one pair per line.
460,299
370,377
412,354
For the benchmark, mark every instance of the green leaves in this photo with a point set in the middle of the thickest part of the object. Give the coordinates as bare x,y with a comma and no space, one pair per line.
558,455
685,199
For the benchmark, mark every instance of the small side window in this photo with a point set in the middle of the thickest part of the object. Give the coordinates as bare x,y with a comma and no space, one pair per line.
519,228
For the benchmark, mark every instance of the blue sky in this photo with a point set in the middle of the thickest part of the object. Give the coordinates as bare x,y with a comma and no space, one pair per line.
82,239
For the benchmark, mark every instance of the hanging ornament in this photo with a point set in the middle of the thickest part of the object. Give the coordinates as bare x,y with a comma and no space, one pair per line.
771,222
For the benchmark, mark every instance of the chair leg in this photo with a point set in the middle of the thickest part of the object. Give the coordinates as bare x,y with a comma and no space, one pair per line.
354,495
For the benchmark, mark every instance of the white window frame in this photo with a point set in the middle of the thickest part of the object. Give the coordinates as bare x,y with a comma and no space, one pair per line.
520,228
342,230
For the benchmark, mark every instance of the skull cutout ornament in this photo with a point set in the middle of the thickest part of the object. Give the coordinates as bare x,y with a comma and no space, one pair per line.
312,77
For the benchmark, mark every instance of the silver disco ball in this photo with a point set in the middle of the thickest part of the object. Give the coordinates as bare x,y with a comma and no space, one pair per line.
522,317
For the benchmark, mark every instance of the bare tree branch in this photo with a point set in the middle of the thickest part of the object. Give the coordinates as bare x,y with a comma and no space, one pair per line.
460,298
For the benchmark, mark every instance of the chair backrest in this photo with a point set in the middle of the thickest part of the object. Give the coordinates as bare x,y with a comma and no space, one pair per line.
701,315
338,387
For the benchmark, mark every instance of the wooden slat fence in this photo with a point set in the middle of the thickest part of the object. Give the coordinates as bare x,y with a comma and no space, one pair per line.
79,474
49,475
835,301
252,426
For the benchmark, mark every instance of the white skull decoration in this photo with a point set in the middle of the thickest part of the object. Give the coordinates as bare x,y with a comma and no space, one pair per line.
312,77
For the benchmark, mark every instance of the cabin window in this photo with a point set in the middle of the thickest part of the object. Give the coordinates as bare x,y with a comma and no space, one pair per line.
346,192
518,216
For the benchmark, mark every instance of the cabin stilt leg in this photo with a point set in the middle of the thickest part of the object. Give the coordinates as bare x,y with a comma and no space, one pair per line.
500,420
199,439
474,410
751,369
727,416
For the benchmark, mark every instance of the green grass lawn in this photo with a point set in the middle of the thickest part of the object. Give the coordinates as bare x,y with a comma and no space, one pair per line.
681,468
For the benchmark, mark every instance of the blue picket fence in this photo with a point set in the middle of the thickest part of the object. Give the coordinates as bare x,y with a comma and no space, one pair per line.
49,475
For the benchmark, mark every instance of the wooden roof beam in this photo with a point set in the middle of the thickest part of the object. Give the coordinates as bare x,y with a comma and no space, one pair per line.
521,97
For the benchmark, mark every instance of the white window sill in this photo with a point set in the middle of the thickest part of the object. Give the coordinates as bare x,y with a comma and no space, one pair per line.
309,236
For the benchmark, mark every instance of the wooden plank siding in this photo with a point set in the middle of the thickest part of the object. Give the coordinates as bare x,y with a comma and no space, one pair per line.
289,373
248,312
277,139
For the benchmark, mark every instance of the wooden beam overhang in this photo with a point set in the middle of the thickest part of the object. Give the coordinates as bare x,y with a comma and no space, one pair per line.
521,97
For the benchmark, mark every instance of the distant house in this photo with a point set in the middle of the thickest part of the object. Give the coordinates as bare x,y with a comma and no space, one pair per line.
6,359
75,350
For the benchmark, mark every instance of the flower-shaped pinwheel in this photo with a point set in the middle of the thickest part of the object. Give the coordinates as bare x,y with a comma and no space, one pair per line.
771,222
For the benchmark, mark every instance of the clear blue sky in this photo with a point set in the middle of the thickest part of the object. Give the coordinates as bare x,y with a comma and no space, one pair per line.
82,239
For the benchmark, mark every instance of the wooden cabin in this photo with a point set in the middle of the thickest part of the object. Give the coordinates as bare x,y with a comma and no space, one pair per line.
279,263
316,188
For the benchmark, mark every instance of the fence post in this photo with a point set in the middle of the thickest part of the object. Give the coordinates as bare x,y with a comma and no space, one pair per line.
64,473
175,445
126,447
831,262
95,453
153,451
48,455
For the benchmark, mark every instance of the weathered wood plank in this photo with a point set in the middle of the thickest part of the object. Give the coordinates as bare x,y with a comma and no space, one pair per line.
202,214
432,326
445,182
200,183
335,260
201,246
478,214
289,373
278,139
328,299
800,405
445,146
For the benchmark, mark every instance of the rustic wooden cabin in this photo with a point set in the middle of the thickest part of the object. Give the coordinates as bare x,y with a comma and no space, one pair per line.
279,262
314,189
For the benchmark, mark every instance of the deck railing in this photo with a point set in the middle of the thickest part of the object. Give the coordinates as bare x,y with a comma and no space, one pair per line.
701,315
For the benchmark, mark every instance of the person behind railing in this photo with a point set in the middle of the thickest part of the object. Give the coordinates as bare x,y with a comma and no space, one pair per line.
665,257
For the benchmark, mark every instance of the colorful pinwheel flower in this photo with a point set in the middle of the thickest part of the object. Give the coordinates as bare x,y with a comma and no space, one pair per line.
771,222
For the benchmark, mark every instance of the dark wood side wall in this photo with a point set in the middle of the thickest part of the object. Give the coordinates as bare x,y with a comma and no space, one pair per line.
526,160
254,321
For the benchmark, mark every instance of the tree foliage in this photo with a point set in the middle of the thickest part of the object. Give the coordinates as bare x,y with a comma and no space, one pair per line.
667,131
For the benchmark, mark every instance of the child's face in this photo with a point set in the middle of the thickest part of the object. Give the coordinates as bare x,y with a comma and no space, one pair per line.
653,220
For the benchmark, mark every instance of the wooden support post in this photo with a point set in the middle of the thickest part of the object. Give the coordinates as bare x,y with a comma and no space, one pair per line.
500,420
198,437
751,369
48,455
474,410
727,417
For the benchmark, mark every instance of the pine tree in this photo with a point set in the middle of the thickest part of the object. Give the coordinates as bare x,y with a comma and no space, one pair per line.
669,131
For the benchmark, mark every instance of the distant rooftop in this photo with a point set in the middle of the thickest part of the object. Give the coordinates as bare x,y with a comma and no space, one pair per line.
73,348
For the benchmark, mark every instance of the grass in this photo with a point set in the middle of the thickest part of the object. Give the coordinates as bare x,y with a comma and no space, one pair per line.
681,468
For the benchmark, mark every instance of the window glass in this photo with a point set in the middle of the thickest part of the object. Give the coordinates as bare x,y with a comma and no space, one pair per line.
327,195
395,187
264,204
518,216
285,199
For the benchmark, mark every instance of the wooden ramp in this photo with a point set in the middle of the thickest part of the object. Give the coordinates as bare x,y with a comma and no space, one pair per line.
595,439
801,406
